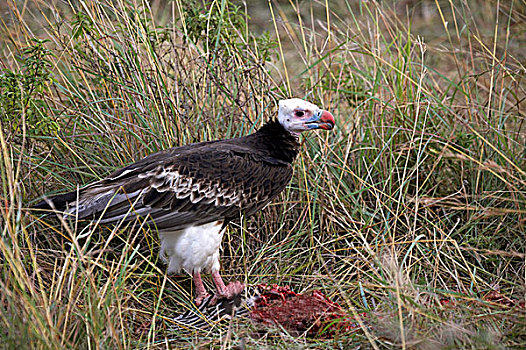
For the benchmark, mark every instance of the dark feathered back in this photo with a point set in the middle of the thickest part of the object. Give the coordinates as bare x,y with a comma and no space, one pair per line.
192,184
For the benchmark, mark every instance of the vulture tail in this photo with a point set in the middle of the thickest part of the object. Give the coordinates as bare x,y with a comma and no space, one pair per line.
59,201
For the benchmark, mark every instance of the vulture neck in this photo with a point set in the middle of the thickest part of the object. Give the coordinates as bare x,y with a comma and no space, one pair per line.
277,141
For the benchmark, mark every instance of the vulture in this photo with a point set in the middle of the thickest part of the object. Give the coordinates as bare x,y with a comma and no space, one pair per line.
190,193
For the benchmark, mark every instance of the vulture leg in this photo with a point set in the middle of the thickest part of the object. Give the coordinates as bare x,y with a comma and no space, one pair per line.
200,290
229,291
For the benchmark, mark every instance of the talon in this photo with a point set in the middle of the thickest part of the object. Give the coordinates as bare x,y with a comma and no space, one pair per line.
231,290
200,298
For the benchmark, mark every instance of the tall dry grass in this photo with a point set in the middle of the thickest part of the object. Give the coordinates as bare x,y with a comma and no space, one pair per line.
411,212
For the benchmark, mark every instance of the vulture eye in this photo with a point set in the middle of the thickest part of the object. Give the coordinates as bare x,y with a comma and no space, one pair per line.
299,114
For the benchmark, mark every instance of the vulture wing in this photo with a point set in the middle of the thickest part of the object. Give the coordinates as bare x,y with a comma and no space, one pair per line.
186,186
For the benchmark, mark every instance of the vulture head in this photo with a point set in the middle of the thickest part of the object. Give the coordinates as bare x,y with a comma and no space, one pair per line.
297,115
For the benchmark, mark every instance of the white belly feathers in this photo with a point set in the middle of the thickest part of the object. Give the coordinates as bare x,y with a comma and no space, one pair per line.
193,249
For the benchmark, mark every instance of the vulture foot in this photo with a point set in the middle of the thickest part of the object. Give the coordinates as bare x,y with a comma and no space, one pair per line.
199,288
229,291
200,297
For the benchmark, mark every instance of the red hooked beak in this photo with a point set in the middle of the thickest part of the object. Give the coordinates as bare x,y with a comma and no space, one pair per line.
327,120
319,120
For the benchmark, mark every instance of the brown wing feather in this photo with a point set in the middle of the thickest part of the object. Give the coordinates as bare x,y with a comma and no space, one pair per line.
189,187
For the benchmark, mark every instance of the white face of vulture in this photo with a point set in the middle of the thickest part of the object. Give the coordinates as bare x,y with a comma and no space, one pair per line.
297,115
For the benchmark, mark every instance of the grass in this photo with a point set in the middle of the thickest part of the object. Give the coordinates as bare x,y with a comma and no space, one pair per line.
411,214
